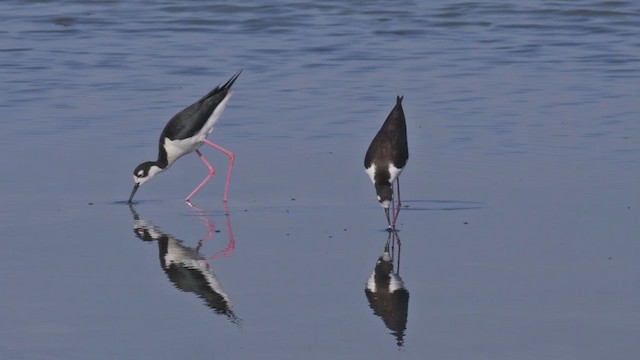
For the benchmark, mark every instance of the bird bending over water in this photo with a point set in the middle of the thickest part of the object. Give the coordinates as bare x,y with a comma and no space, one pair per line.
386,157
185,133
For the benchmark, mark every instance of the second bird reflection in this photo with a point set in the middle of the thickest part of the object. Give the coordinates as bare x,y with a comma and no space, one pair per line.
185,267
387,295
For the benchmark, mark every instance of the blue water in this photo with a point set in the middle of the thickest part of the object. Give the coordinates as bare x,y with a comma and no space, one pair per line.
520,226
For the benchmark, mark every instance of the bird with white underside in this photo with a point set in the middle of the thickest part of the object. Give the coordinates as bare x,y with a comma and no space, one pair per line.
386,157
185,133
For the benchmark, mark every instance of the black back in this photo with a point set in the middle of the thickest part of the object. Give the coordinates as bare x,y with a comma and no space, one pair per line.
189,121
390,143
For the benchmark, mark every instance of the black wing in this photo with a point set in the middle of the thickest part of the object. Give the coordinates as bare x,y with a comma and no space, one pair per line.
189,121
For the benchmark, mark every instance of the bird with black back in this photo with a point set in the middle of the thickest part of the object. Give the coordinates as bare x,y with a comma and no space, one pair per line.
185,133
386,158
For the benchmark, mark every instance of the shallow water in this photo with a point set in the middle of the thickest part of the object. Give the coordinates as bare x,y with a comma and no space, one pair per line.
520,219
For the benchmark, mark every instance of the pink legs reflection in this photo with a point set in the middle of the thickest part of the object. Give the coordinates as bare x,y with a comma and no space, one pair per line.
185,266
211,229
392,242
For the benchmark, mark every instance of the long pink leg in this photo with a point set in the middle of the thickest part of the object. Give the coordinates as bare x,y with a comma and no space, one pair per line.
232,159
212,172
399,206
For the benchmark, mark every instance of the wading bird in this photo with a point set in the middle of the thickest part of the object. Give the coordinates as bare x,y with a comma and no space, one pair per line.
386,157
185,133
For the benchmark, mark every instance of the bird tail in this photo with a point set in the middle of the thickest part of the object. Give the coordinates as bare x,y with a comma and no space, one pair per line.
230,82
222,89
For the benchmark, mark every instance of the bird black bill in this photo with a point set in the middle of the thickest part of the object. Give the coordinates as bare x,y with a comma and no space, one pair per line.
386,212
133,192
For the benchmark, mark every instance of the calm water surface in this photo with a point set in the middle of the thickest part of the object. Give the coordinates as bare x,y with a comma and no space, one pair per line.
518,239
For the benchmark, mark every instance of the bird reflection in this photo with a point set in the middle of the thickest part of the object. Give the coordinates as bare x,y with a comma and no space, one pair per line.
185,267
385,290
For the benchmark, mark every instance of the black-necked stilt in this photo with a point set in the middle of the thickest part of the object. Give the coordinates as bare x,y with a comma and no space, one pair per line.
386,157
185,133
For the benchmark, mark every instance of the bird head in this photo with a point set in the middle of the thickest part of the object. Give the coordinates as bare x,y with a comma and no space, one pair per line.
143,173
385,196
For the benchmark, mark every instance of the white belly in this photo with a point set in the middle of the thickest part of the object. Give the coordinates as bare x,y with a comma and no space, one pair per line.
215,116
178,148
